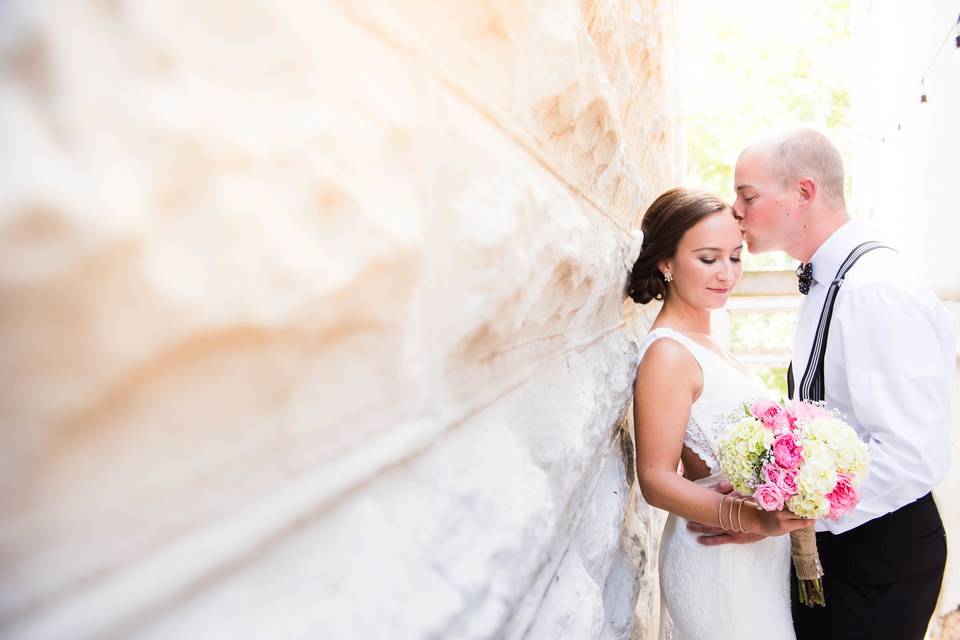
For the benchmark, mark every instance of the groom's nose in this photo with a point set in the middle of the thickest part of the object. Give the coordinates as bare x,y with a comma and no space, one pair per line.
738,211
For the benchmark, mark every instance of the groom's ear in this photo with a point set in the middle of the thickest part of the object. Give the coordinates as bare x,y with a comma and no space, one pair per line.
807,190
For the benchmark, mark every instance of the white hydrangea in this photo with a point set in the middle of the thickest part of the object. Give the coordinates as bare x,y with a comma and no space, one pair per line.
850,454
818,473
809,505
742,449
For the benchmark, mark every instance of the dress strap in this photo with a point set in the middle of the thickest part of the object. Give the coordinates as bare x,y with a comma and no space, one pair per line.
666,332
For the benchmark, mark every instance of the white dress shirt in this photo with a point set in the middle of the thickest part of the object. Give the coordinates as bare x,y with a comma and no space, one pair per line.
888,369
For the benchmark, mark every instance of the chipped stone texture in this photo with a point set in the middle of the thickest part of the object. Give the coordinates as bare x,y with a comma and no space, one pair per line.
312,318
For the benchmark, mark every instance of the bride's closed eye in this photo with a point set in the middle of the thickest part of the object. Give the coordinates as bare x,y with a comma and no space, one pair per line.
712,260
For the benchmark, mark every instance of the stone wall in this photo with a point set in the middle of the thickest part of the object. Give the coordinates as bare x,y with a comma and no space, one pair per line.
312,318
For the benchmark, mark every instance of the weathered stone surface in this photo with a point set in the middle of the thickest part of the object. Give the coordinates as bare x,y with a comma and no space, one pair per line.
311,318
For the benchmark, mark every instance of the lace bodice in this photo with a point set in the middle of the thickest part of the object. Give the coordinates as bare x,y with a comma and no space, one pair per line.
725,388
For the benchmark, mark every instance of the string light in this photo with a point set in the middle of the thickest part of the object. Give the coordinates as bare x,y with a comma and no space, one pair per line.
953,27
894,124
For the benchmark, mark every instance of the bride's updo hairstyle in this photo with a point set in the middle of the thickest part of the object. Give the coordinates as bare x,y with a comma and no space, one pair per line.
664,223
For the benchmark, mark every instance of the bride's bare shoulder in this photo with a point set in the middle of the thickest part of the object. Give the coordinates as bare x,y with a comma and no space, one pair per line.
666,363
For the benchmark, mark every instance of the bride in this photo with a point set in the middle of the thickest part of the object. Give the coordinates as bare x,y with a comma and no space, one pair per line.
685,384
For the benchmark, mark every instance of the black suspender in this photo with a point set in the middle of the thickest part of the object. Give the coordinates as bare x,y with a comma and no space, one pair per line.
812,384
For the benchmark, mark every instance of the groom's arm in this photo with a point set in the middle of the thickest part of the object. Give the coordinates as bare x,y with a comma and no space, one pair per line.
899,381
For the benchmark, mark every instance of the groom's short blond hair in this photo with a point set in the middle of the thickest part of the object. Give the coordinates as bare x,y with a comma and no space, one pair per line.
808,153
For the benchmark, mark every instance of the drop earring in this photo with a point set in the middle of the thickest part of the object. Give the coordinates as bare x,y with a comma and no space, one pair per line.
668,276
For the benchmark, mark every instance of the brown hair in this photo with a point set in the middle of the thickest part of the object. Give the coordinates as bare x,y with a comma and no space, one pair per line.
664,223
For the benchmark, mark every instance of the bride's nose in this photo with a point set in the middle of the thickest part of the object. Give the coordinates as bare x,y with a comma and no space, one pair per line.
725,274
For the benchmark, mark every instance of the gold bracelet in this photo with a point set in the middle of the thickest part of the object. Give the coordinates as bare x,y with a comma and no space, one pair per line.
730,519
720,512
739,517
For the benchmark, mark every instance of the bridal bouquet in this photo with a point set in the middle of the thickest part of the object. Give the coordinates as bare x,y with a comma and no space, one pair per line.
798,455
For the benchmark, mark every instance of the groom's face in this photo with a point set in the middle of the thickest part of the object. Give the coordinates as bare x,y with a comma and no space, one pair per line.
762,204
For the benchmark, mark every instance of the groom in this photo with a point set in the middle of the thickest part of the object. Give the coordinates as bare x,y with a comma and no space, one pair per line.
873,342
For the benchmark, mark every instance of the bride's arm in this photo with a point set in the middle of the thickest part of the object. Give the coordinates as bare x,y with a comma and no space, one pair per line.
669,381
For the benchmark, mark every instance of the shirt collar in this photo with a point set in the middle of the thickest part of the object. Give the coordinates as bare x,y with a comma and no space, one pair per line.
831,254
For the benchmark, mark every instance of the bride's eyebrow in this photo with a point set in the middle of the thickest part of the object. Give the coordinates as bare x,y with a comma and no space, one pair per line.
739,246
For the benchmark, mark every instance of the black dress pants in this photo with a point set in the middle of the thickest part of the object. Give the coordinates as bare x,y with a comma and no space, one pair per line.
881,580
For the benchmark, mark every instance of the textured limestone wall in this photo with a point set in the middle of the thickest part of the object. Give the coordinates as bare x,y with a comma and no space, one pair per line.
311,316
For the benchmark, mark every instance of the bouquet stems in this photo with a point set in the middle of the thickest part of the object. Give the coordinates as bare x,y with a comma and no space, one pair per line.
806,563
811,592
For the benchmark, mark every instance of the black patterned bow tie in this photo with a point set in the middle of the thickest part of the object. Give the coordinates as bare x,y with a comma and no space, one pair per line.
805,277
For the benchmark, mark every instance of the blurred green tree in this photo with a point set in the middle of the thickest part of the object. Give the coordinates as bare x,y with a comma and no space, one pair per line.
751,68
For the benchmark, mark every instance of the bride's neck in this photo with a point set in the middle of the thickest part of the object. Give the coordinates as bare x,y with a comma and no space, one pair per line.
682,317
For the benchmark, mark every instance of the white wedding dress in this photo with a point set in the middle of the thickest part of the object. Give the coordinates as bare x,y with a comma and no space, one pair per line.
731,591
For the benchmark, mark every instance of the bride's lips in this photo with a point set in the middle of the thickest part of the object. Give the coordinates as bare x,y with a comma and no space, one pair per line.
721,291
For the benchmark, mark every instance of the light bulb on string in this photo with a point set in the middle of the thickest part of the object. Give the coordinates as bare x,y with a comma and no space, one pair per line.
954,29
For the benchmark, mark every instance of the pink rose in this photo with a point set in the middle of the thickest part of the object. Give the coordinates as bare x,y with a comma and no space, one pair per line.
786,452
784,479
799,411
843,498
787,482
769,497
771,473
791,421
770,413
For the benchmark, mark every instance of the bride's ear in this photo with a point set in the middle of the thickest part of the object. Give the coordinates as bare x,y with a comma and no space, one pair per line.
665,267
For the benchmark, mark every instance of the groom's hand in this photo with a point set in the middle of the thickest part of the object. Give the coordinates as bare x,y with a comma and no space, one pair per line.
715,536
723,486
